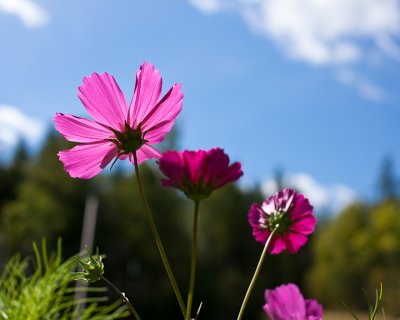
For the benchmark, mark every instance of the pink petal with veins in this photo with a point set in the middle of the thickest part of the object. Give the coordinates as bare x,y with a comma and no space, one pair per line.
161,118
86,160
104,100
78,129
146,94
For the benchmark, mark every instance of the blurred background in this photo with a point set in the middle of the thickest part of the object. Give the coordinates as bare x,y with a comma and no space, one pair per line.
304,93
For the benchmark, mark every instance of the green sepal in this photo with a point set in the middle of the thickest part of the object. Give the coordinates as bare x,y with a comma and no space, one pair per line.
93,269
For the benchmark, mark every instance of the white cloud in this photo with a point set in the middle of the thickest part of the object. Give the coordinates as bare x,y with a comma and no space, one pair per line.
317,31
323,32
14,125
332,198
207,6
31,14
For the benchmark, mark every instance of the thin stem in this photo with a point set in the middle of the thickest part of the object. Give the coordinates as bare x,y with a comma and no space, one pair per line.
256,273
122,296
193,262
157,238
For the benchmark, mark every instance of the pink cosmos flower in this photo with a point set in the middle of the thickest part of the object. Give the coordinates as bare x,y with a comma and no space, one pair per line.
117,132
198,173
287,303
292,212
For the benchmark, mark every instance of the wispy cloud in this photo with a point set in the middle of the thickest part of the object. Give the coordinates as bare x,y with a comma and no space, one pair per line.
363,86
328,32
207,6
330,198
30,13
388,46
324,32
15,125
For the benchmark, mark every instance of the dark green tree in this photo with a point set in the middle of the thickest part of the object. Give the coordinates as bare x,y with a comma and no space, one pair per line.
13,174
357,250
47,203
388,182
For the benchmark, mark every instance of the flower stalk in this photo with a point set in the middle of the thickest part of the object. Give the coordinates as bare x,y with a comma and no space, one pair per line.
193,262
157,238
93,270
122,297
256,273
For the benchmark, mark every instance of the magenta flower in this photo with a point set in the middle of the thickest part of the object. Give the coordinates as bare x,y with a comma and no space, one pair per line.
287,303
117,131
292,212
198,173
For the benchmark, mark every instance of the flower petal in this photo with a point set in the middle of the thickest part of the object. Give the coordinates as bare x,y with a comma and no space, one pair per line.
277,244
261,235
79,129
172,165
313,309
269,205
215,164
161,117
285,302
193,162
146,94
294,241
305,225
270,313
284,199
87,160
104,100
231,174
301,207
254,215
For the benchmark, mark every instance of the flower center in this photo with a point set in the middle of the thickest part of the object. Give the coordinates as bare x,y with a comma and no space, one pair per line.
279,217
128,141
196,191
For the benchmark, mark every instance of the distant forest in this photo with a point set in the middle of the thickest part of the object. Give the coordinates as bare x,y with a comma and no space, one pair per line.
351,250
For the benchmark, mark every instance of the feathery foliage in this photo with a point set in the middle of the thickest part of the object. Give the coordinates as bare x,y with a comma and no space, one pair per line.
48,291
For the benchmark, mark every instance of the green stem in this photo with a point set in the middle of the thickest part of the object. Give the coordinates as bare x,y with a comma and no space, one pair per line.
122,296
256,273
157,238
193,262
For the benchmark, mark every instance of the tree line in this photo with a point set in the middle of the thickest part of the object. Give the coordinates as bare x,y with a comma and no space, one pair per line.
354,249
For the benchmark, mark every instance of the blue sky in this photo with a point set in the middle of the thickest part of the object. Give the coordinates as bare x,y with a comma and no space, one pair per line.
309,86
